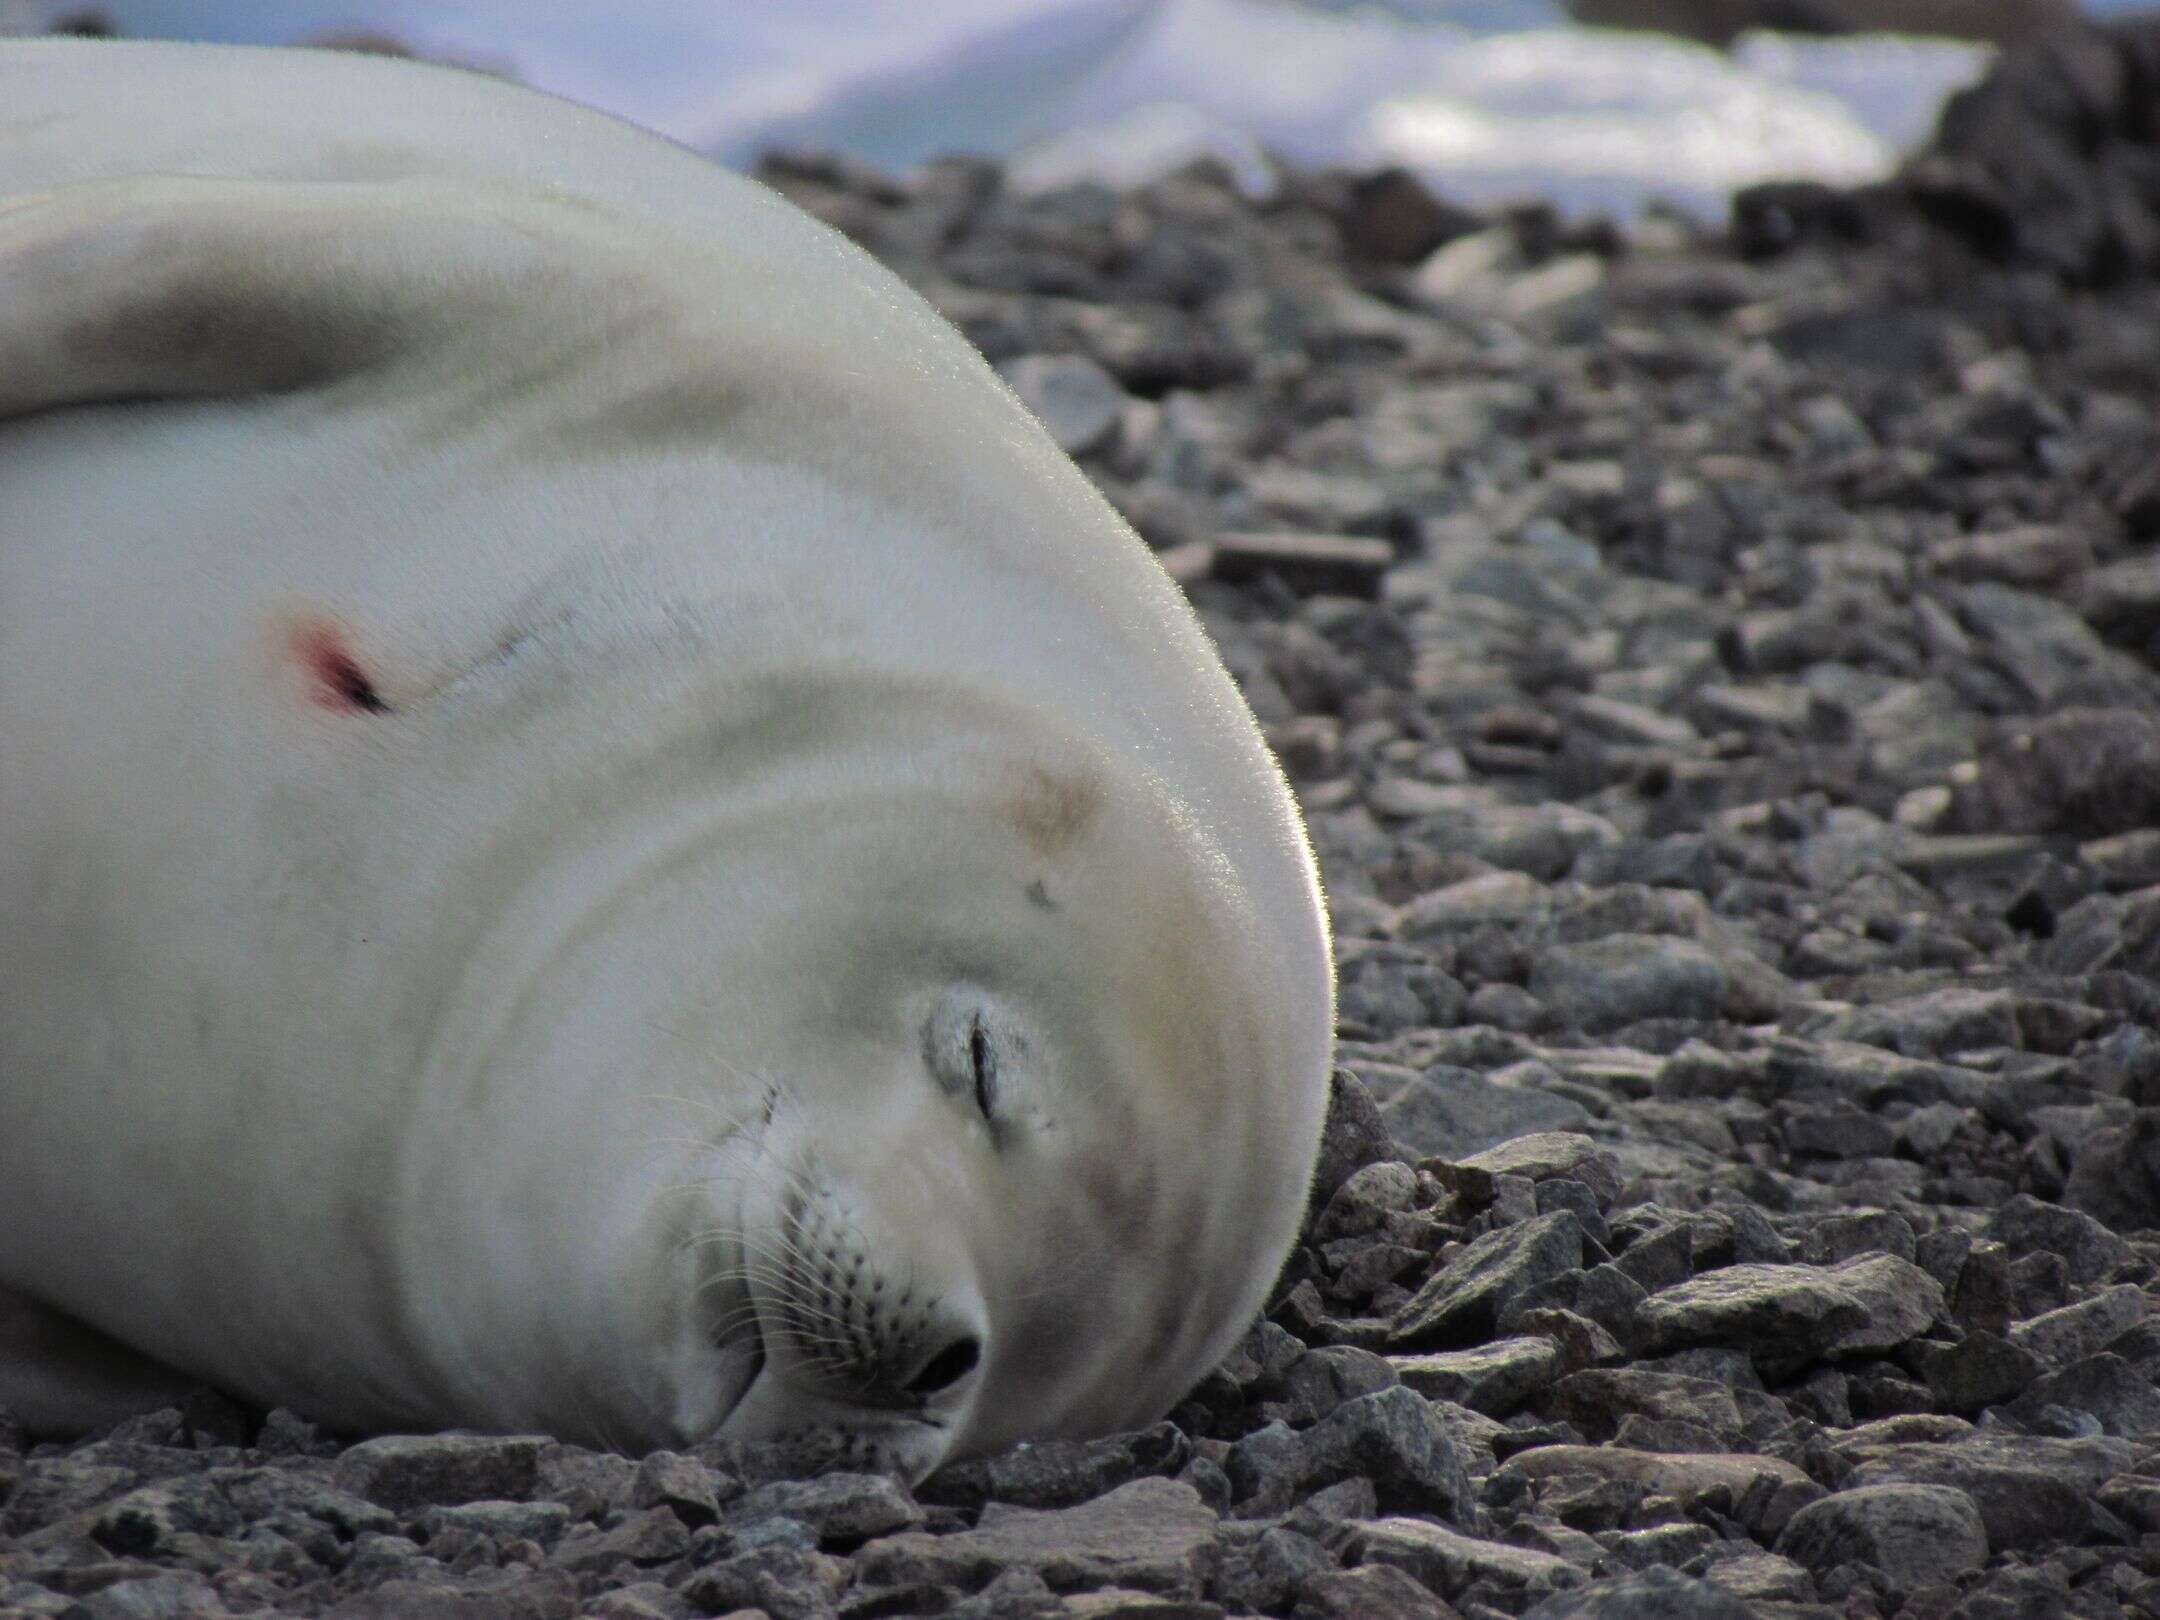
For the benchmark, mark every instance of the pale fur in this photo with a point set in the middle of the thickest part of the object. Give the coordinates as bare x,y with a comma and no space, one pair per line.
756,672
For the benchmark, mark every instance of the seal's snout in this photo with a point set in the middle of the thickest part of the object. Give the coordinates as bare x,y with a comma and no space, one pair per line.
869,1324
900,1354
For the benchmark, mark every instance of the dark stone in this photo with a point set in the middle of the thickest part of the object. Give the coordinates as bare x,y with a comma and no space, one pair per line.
2032,1492
151,1522
511,1595
1451,1563
1353,1137
1154,1535
1466,1300
2074,1332
1606,983
1493,1379
1062,1473
170,1595
1394,1439
647,1537
1539,1157
788,1583
841,1509
685,1486
1266,1575
1390,217
2115,1176
1650,1594
2104,1388
1369,1592
2088,1249
1324,1379
399,1472
1909,1536
2082,772
1597,1399
1340,565
1786,1316
1452,1113
1980,1370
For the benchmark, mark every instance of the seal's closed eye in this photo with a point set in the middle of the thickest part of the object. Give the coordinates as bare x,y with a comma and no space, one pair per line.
984,1062
967,1042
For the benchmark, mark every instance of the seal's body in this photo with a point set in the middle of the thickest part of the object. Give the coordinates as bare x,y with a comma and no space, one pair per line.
597,832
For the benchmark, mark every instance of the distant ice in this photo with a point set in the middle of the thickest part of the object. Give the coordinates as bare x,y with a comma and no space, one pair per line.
1490,99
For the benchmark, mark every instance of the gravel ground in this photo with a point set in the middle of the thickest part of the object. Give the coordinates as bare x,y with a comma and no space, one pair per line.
1720,674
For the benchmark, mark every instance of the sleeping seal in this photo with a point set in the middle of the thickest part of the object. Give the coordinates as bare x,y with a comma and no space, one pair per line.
598,833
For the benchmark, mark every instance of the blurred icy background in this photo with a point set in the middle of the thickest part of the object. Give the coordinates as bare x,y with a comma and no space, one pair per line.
1490,99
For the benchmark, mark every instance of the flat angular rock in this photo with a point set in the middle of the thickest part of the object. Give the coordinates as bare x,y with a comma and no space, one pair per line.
1369,1592
682,1484
258,1493
1449,1112
1059,1473
1487,899
1785,1316
1494,1378
1398,1440
1625,978
1776,1487
1353,1136
2086,772
2134,1499
1464,1302
172,1595
1980,1370
526,1595
2031,1491
1761,1578
1364,1202
1154,1535
838,1507
1115,1603
2025,1225
1596,1399
2116,1177
541,1522
1447,1560
1651,1594
1900,1299
1541,1156
1911,1535
2104,1388
148,1522
651,1536
403,1471
788,1583
2074,1332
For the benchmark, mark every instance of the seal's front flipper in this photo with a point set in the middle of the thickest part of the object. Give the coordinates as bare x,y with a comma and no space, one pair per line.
189,288
62,1376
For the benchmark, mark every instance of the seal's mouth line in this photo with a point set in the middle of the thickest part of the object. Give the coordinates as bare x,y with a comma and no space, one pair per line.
758,1356
733,1156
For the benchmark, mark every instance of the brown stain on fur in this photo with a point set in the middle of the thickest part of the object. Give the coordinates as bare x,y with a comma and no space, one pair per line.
1052,808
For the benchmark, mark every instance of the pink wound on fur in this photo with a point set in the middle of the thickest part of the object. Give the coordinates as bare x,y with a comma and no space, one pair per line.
334,674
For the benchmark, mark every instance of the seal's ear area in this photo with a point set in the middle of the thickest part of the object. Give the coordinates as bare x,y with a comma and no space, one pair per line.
170,288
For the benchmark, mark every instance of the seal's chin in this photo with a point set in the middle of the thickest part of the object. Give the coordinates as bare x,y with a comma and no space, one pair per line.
817,1434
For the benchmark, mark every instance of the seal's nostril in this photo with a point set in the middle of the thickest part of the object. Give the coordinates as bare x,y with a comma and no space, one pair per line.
946,1368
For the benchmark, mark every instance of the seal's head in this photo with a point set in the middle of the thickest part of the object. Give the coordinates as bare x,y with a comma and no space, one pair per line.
1031,1165
986,1115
